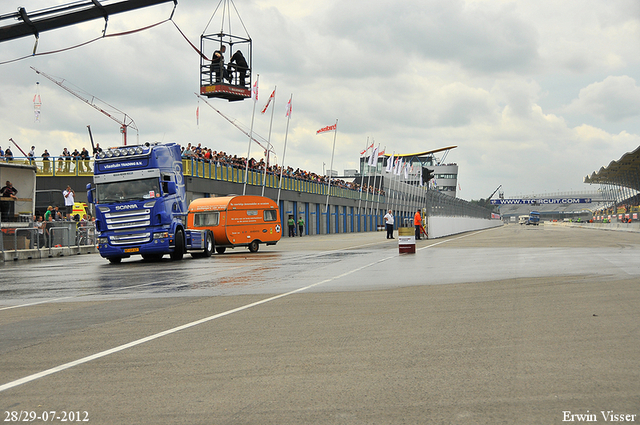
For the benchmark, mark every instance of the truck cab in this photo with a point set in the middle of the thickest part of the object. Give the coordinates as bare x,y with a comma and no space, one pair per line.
140,203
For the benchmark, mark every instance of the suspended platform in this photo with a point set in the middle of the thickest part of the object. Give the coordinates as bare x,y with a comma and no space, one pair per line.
225,91
226,59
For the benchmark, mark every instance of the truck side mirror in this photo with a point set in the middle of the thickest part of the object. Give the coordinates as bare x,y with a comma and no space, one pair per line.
89,194
170,188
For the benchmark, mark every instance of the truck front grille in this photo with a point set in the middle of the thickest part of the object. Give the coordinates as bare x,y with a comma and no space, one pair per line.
130,225
132,238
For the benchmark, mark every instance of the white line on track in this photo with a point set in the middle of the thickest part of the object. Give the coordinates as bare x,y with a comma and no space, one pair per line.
101,354
297,258
119,348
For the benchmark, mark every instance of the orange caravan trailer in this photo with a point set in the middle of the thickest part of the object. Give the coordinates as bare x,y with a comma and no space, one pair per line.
237,221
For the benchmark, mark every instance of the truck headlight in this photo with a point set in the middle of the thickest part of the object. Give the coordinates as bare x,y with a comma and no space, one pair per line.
161,235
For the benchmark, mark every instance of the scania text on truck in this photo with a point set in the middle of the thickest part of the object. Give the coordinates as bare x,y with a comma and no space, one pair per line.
140,204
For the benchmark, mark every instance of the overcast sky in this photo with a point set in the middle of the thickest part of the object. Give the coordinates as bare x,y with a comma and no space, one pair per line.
534,94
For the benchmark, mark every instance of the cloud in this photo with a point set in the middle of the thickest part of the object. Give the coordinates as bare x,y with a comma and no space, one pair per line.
510,82
616,98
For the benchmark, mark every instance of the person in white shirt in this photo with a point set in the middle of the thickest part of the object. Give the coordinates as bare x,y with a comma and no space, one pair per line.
388,219
69,200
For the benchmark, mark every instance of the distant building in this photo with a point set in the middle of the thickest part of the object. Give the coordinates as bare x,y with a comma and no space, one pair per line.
445,175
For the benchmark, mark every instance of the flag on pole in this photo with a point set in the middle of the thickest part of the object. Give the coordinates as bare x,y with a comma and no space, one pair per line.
288,112
373,159
198,115
327,128
365,151
398,167
406,172
254,91
390,164
273,94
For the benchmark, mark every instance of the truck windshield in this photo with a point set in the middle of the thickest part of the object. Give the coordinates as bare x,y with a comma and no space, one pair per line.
122,191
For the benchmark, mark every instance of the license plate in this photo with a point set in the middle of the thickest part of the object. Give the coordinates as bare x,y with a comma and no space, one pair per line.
128,250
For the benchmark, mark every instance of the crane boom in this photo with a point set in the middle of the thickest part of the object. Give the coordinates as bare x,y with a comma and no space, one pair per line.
125,122
494,192
67,14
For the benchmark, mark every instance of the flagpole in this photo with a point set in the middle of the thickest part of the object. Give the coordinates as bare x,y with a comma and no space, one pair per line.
366,148
381,181
366,199
286,133
375,175
246,168
386,195
326,207
396,172
264,175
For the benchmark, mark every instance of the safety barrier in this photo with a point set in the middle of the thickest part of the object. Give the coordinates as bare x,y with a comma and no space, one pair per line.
60,234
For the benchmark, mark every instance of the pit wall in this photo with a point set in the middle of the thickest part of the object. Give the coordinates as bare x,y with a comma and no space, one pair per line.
439,226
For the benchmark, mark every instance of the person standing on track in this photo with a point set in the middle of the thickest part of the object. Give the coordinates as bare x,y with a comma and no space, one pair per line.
388,220
417,222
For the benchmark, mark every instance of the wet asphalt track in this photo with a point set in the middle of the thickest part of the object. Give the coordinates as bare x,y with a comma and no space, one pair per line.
508,325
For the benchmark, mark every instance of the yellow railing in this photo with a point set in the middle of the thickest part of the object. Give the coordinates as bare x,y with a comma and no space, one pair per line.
216,171
58,167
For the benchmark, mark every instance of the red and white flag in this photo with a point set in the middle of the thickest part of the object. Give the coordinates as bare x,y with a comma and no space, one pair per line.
254,91
273,95
198,115
288,112
327,128
365,151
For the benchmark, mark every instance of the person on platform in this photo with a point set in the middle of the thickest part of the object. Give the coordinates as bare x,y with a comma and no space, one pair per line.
217,65
241,66
46,162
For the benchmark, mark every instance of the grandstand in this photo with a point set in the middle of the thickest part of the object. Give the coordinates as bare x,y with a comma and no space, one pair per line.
617,198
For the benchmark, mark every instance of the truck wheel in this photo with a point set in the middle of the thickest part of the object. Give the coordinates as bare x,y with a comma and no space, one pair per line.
114,260
253,246
178,251
209,246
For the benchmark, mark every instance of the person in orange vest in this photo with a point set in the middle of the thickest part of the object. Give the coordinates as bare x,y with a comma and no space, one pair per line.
417,222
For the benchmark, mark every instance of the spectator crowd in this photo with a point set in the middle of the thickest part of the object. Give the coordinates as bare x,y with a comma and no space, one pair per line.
198,153
204,154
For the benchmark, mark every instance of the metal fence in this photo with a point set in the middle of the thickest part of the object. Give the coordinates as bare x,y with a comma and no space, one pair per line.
439,204
55,234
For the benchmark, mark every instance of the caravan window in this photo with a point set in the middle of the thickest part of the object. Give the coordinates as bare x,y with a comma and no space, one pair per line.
206,219
270,215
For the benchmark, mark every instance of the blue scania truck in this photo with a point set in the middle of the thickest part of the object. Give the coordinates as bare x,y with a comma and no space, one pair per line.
140,204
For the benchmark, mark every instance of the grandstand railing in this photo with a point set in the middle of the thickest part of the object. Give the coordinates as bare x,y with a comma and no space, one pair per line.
60,167
437,204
